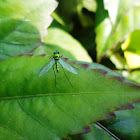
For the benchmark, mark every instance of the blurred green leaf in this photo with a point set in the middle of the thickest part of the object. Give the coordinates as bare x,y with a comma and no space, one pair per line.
117,8
132,50
134,76
133,59
90,5
58,39
61,22
132,42
39,110
118,60
117,20
116,56
23,24
72,8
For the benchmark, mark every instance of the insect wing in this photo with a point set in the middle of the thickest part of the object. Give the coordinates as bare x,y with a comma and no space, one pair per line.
47,67
67,66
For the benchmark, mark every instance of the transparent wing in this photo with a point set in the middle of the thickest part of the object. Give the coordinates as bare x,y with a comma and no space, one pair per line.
47,67
67,66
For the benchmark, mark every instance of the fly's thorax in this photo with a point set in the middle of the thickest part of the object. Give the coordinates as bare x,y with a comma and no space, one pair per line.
56,56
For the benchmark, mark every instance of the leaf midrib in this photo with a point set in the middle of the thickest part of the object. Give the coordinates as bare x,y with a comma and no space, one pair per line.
62,94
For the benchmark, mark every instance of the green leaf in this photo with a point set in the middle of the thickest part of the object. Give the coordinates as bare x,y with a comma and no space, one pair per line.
94,131
23,24
34,107
97,133
112,27
127,123
58,39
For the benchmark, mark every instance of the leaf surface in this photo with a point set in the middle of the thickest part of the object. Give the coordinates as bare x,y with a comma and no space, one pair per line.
34,107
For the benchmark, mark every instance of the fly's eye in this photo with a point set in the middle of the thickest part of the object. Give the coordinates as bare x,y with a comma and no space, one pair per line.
58,52
54,53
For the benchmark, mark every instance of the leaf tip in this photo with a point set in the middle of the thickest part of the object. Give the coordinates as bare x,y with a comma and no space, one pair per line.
85,130
128,106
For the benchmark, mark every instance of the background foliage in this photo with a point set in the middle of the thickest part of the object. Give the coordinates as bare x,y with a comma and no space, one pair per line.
86,32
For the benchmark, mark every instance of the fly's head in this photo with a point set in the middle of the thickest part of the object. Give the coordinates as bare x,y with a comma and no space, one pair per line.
56,55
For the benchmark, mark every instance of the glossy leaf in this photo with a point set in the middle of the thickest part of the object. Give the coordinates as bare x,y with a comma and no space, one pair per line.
23,24
34,107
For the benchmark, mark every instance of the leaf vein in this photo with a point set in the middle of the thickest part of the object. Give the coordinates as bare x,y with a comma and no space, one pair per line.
35,118
10,130
63,110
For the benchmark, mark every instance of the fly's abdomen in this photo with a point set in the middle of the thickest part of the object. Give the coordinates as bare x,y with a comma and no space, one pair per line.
57,66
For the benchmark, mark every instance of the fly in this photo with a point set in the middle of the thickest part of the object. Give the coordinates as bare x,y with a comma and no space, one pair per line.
56,60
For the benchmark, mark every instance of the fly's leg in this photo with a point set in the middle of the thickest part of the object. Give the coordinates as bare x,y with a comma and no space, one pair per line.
67,77
54,75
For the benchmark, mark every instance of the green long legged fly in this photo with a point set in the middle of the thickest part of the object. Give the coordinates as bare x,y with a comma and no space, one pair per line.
56,60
